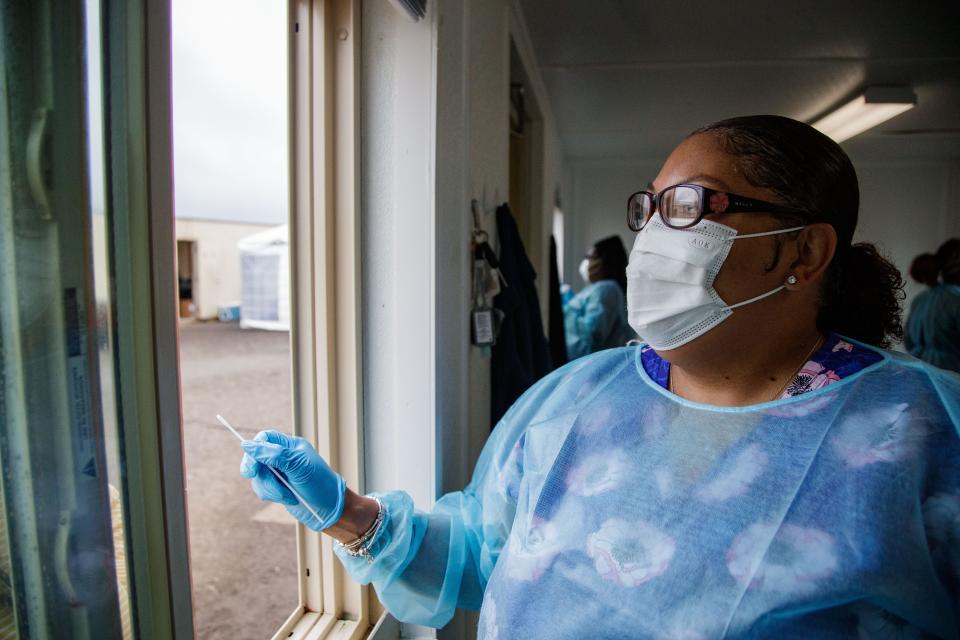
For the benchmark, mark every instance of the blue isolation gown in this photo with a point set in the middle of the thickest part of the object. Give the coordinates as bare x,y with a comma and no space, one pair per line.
933,327
595,319
604,507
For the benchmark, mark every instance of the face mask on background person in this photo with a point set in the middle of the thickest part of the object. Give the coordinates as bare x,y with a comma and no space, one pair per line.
670,276
585,270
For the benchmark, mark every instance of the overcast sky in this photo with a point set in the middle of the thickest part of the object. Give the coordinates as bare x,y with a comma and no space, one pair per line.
229,109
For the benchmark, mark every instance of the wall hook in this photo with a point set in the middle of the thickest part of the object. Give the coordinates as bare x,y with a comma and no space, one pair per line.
475,210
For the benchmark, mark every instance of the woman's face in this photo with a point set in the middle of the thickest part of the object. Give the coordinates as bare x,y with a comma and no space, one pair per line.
747,271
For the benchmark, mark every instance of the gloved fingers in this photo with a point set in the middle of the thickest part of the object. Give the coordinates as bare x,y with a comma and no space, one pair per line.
275,455
249,467
276,437
266,486
300,512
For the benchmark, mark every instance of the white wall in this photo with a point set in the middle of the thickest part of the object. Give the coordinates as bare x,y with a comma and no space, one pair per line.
397,209
486,70
473,148
473,76
906,207
547,158
595,205
412,193
453,151
217,268
434,135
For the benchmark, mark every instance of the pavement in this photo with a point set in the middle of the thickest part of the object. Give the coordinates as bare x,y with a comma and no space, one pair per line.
242,551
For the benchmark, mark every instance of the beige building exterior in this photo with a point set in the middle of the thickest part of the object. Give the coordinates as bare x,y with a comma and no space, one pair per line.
208,257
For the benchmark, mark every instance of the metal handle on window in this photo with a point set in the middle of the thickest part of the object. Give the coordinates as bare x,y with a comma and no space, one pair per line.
61,557
36,147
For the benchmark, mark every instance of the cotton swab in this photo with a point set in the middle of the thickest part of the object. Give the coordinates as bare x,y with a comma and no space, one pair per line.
224,422
280,477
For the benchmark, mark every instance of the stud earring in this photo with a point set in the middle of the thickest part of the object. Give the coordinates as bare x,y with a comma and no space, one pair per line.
792,280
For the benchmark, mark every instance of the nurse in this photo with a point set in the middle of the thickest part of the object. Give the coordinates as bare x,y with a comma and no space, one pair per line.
933,327
596,318
760,467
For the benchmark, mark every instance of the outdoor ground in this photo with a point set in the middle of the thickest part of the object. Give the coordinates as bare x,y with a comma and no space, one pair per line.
243,551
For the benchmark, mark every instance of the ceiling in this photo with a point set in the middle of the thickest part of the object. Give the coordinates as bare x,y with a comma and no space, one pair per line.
628,79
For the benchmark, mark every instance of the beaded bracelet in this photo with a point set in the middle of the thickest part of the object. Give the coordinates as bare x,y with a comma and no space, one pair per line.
360,548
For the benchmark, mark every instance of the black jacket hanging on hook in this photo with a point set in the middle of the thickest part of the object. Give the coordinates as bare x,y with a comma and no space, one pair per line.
520,356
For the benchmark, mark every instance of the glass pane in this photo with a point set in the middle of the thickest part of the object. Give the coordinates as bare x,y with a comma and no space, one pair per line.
99,246
230,141
57,534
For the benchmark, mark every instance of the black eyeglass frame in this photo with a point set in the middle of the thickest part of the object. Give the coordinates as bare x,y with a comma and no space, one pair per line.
729,203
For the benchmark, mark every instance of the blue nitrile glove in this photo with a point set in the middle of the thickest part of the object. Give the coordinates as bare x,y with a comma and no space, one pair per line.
304,469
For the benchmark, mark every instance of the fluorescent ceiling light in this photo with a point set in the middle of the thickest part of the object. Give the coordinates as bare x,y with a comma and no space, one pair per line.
875,105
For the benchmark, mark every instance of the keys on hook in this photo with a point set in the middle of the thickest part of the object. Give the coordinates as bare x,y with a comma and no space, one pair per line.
486,285
487,279
483,251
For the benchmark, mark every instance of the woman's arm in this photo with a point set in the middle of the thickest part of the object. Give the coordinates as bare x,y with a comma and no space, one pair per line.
359,514
426,565
423,565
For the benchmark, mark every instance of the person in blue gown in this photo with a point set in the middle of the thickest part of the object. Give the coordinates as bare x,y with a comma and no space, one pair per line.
762,466
933,326
596,317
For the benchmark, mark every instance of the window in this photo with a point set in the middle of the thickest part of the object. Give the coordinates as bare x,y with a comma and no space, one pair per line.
93,519
323,308
63,568
112,307
229,89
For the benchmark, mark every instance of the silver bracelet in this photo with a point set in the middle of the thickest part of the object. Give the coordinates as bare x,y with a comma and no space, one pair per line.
360,548
370,531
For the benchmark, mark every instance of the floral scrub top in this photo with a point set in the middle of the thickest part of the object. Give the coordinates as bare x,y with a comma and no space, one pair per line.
604,507
834,360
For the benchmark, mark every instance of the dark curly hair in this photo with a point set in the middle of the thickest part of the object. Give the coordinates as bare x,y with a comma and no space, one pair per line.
863,291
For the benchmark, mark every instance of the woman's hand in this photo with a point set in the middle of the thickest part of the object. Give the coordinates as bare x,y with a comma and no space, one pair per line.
294,457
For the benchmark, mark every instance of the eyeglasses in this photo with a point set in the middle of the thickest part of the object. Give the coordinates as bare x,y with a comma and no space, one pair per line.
684,205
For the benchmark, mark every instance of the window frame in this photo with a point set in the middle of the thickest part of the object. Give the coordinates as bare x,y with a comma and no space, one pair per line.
323,54
139,175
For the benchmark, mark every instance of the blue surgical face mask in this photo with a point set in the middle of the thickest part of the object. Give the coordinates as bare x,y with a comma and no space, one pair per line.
670,276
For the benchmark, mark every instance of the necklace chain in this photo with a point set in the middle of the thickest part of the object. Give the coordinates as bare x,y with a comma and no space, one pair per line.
790,378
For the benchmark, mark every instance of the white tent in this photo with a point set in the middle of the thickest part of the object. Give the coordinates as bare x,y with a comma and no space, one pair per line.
265,280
